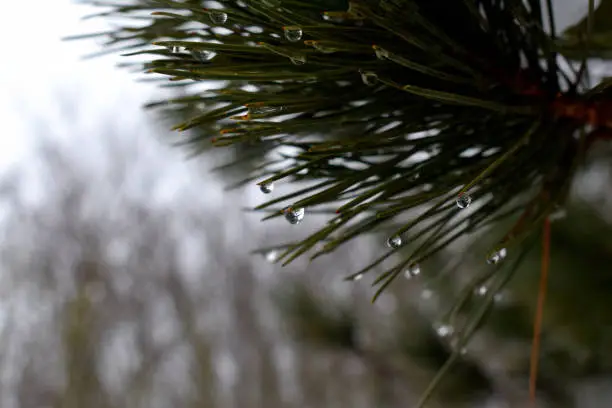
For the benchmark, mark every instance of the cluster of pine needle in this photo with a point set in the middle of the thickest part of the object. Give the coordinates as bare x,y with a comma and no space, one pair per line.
431,118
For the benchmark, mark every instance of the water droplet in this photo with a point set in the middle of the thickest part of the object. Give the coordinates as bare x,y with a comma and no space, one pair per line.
412,271
358,277
298,59
444,330
294,215
293,33
203,56
369,78
217,17
267,188
381,53
481,290
271,256
497,256
394,242
464,201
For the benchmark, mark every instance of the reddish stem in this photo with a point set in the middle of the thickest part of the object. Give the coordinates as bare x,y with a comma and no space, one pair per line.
537,326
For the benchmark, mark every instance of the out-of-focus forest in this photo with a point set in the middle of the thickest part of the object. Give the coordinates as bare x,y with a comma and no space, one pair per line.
124,289
128,283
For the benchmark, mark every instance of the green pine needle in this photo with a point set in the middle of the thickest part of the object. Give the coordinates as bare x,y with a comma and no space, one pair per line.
391,110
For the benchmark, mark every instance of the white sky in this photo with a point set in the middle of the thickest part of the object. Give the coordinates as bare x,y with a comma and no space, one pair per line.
37,67
41,77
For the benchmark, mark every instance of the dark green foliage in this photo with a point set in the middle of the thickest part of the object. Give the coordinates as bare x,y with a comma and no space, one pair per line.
389,110
451,109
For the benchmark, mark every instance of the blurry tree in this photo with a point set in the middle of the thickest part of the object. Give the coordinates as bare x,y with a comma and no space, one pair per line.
118,296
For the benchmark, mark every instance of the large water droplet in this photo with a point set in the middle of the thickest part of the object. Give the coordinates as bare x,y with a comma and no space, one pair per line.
294,215
298,59
497,256
293,33
394,242
464,201
412,271
217,17
369,78
267,188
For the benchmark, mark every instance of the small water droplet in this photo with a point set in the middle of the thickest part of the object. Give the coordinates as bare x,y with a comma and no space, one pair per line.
203,56
369,78
381,53
394,242
412,271
481,290
464,201
294,215
271,256
217,17
298,59
358,277
444,330
267,188
293,33
497,256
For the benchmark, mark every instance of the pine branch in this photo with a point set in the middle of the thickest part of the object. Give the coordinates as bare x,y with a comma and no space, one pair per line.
392,108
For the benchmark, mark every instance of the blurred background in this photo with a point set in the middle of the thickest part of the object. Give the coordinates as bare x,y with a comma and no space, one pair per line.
127,278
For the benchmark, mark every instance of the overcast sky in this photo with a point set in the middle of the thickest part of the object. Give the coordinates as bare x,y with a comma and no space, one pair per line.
44,80
37,67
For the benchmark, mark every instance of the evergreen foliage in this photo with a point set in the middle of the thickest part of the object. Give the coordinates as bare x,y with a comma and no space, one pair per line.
399,115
